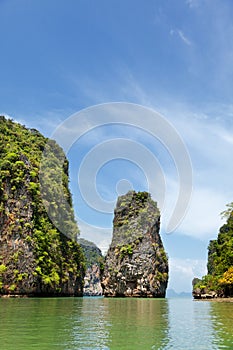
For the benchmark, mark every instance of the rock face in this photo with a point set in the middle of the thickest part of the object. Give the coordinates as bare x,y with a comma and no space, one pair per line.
136,264
94,265
35,257
92,285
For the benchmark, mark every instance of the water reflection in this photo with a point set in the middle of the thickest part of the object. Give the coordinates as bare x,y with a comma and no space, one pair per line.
90,329
190,325
36,323
119,324
137,323
222,320
98,323
199,325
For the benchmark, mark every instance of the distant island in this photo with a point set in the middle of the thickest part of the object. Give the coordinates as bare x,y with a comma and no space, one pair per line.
171,293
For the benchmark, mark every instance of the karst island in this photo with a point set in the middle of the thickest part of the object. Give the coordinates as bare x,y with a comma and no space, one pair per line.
37,259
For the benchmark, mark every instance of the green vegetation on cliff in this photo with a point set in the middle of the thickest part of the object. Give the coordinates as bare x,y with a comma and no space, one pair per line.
35,256
220,261
91,253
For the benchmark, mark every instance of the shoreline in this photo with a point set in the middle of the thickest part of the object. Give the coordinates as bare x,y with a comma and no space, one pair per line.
31,296
219,300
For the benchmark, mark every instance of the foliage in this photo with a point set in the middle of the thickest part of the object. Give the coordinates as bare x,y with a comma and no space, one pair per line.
3,269
132,206
227,278
208,282
227,213
21,168
220,258
92,253
161,277
126,250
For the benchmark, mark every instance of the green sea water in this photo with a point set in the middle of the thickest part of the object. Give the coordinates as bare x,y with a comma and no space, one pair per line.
99,323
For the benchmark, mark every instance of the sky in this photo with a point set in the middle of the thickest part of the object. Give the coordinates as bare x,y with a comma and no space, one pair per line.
172,57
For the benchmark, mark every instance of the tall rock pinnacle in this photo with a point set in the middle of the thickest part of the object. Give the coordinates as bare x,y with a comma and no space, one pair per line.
136,264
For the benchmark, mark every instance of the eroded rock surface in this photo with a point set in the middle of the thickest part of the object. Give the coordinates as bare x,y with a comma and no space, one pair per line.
136,264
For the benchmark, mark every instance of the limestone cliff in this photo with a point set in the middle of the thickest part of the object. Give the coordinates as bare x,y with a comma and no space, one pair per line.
35,257
136,264
94,265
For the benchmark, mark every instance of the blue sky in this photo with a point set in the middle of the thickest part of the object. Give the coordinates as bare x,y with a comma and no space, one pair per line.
176,57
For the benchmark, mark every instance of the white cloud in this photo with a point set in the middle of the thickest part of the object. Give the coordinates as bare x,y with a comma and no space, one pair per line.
226,136
184,38
192,3
181,35
101,236
182,272
209,141
203,217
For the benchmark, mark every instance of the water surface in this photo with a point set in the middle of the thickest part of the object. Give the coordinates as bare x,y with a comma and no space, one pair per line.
98,323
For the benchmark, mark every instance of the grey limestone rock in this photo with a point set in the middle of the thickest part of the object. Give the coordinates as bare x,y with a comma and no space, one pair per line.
136,264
